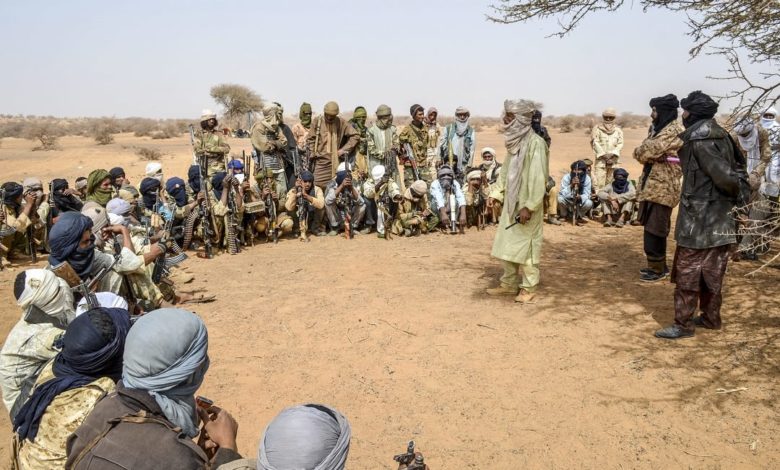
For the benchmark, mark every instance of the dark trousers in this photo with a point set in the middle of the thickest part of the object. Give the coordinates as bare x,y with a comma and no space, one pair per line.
698,277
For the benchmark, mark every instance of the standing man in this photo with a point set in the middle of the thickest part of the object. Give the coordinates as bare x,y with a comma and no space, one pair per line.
658,191
458,145
210,143
289,166
381,137
357,160
607,142
329,141
270,144
541,131
520,187
416,135
434,136
301,129
705,226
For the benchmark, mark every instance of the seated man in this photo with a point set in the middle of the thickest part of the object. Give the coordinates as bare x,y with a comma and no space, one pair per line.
150,420
39,213
476,194
47,308
67,390
343,200
574,195
80,184
448,201
273,221
304,436
383,193
491,169
414,212
16,217
617,199
313,203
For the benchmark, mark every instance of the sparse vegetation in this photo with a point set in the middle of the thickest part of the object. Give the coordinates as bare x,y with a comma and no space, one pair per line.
104,131
147,153
236,101
45,132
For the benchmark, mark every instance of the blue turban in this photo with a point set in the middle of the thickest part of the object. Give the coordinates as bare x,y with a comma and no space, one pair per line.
175,188
307,175
217,183
340,176
166,354
149,188
92,348
235,165
64,240
193,177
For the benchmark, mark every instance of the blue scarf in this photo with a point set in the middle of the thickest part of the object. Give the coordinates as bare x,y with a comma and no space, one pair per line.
64,240
620,185
86,355
175,188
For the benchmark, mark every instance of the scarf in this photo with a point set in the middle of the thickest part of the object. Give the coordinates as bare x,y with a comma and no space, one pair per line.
620,185
193,178
11,192
579,169
517,136
118,206
64,240
749,142
89,351
49,294
665,110
767,123
175,188
333,143
94,191
359,117
311,436
305,115
166,354
699,106
217,183
62,202
150,188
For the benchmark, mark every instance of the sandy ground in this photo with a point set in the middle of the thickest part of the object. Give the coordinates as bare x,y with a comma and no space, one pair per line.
399,336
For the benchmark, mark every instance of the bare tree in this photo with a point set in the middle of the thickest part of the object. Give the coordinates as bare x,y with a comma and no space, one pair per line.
45,132
236,100
742,31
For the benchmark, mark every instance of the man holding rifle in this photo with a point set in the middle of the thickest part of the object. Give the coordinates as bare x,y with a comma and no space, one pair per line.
414,142
521,187
574,199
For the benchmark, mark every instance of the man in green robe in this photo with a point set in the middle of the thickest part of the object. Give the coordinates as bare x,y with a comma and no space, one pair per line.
521,189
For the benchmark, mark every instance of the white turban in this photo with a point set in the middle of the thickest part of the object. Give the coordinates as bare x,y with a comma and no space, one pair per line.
488,150
342,167
378,172
314,437
474,175
153,168
99,218
767,123
114,219
118,206
31,183
49,293
105,299
207,114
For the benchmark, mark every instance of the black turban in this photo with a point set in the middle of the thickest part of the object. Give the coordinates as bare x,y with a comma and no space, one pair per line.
116,172
700,106
193,178
149,189
12,191
414,109
217,184
62,202
665,110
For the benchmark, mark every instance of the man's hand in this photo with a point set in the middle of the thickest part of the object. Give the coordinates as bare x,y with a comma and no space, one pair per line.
226,181
347,181
427,213
244,187
201,196
491,202
116,229
342,153
524,215
299,183
575,181
615,205
266,191
219,429
69,192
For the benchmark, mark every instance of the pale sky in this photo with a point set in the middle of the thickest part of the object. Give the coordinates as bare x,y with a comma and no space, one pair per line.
160,58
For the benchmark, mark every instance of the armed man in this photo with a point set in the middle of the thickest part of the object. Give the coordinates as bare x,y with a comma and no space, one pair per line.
210,144
414,140
330,140
308,203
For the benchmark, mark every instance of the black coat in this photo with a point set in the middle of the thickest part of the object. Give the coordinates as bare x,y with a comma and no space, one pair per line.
710,189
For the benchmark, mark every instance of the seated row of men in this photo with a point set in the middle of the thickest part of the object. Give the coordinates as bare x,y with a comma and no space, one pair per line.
90,386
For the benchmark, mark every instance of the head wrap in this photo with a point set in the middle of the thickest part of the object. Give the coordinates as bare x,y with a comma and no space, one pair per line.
416,190
432,109
94,190
64,240
153,170
304,114
175,188
747,135
378,172
307,175
118,206
128,194
517,136
81,183
359,117
340,176
768,123
445,171
579,168
587,162
488,150
49,293
462,123
114,219
32,184
104,299
474,175
12,192
384,117
311,436
665,110
235,164
92,348
99,218
414,108
166,354
149,188
536,123
193,178
115,173
64,203
699,106
207,114
270,117
620,185
331,108
217,183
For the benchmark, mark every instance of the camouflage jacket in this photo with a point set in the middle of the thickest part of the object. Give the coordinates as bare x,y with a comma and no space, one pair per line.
418,139
660,181
210,142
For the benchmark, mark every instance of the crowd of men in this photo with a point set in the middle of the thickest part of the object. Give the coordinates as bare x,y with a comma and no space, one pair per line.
102,369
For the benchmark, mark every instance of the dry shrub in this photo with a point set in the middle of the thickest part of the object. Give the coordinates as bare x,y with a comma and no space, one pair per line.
104,131
166,131
566,124
45,132
147,153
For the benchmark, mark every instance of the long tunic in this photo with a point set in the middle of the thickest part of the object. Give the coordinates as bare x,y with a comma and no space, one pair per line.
523,242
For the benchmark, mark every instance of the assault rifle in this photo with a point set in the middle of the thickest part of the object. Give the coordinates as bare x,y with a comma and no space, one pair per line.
300,201
50,215
204,210
232,226
5,229
247,221
270,205
577,202
384,200
411,460
408,156
347,204
31,245
452,201
163,263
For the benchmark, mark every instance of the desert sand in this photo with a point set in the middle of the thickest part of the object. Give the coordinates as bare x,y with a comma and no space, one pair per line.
399,337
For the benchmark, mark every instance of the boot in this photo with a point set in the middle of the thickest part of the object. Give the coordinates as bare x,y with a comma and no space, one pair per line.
673,332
